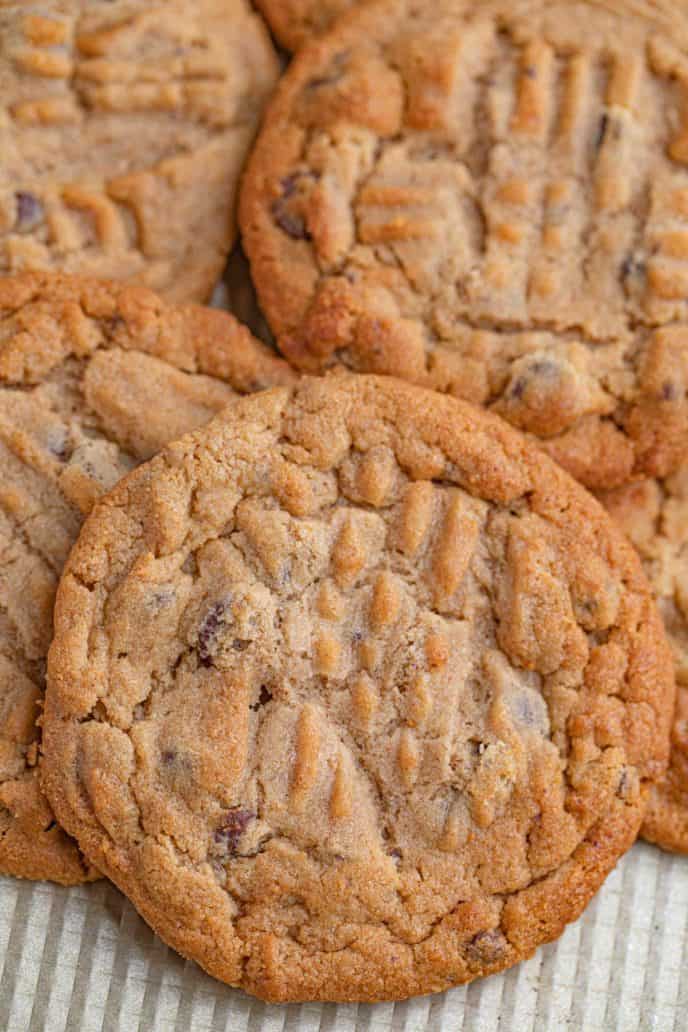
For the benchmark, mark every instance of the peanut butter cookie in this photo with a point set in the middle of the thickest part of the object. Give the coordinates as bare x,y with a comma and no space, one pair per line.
94,378
354,692
654,514
124,128
491,199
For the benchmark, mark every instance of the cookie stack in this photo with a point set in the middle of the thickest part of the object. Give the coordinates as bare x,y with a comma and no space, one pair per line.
353,687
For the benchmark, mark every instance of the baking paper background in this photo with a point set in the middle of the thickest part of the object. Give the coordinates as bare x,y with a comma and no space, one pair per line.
81,960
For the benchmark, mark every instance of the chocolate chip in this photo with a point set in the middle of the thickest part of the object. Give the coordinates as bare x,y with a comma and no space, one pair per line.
263,699
487,947
207,633
530,72
632,267
240,644
30,212
232,827
162,598
285,210
59,446
518,388
169,756
669,391
541,369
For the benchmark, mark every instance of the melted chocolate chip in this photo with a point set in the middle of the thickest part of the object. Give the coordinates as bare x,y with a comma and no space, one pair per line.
232,827
207,633
30,212
669,391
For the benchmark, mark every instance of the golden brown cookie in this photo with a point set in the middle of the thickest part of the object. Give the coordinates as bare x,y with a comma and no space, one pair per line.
354,693
94,378
294,21
124,128
491,199
654,514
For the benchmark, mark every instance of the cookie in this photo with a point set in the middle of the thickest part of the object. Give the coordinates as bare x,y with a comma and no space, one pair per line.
491,199
354,693
124,127
94,378
295,21
654,514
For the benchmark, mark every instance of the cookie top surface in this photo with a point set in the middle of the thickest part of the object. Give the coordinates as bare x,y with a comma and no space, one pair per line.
124,128
94,378
491,199
295,21
654,514
354,693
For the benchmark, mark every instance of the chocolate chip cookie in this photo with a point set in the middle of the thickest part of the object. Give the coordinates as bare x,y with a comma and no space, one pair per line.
295,21
94,378
355,693
491,199
124,127
654,514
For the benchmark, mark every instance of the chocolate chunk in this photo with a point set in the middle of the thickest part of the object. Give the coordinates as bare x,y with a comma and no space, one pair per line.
487,947
232,827
207,633
263,699
30,212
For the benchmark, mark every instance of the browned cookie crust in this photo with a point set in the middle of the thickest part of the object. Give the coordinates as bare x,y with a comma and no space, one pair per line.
355,693
491,199
124,127
94,378
295,21
654,514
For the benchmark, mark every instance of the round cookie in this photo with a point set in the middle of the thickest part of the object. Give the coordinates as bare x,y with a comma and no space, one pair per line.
94,378
124,127
354,693
491,199
293,22
654,514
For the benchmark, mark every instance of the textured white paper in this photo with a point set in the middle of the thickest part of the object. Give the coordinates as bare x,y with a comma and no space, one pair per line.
82,960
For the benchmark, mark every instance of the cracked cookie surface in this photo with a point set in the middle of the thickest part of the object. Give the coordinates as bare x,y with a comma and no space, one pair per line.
124,128
654,514
294,21
354,693
491,199
94,378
